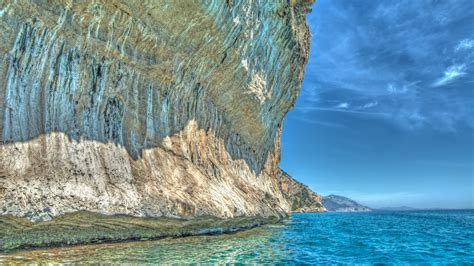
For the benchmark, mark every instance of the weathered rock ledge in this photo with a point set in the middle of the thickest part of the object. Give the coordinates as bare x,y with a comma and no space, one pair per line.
87,228
148,108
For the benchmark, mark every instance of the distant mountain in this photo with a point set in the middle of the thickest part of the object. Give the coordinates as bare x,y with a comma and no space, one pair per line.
401,208
335,203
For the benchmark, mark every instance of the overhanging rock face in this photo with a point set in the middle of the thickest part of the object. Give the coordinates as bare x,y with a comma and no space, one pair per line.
149,108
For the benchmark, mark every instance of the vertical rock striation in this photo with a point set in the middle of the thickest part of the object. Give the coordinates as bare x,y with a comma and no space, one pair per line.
147,108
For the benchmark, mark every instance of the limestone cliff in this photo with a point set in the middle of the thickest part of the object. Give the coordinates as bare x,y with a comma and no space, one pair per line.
147,108
300,197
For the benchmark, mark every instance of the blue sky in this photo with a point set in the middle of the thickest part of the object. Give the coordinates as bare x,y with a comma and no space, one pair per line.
386,111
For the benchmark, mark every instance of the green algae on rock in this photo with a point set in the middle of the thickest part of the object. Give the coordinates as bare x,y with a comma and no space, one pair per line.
87,227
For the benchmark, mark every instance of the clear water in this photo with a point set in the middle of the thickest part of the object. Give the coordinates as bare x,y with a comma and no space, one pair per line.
377,237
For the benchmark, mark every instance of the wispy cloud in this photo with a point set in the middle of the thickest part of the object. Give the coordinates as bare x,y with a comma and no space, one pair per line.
369,105
453,72
343,105
339,110
392,89
319,122
465,44
390,62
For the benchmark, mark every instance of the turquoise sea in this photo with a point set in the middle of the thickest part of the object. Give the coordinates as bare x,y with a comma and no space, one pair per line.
414,237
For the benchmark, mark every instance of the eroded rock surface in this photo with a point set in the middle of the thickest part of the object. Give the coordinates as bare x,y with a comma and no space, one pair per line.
300,196
148,108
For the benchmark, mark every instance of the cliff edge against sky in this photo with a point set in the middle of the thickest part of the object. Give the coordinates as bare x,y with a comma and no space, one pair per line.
147,108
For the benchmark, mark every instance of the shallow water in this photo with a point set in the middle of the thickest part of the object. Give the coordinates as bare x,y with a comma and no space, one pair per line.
377,237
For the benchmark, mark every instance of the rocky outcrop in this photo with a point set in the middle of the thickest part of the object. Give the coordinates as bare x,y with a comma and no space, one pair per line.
300,197
335,203
87,227
161,108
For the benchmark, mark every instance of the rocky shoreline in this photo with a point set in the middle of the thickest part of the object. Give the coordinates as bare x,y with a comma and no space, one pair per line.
82,228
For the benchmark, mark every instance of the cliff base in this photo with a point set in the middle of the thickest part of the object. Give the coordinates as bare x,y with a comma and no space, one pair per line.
90,228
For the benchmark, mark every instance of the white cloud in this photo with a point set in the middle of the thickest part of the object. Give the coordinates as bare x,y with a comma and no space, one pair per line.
340,110
417,117
391,88
453,72
399,70
465,44
369,105
410,118
343,105
320,123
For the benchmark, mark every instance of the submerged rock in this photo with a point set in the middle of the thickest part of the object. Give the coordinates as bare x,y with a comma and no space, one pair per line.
151,109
